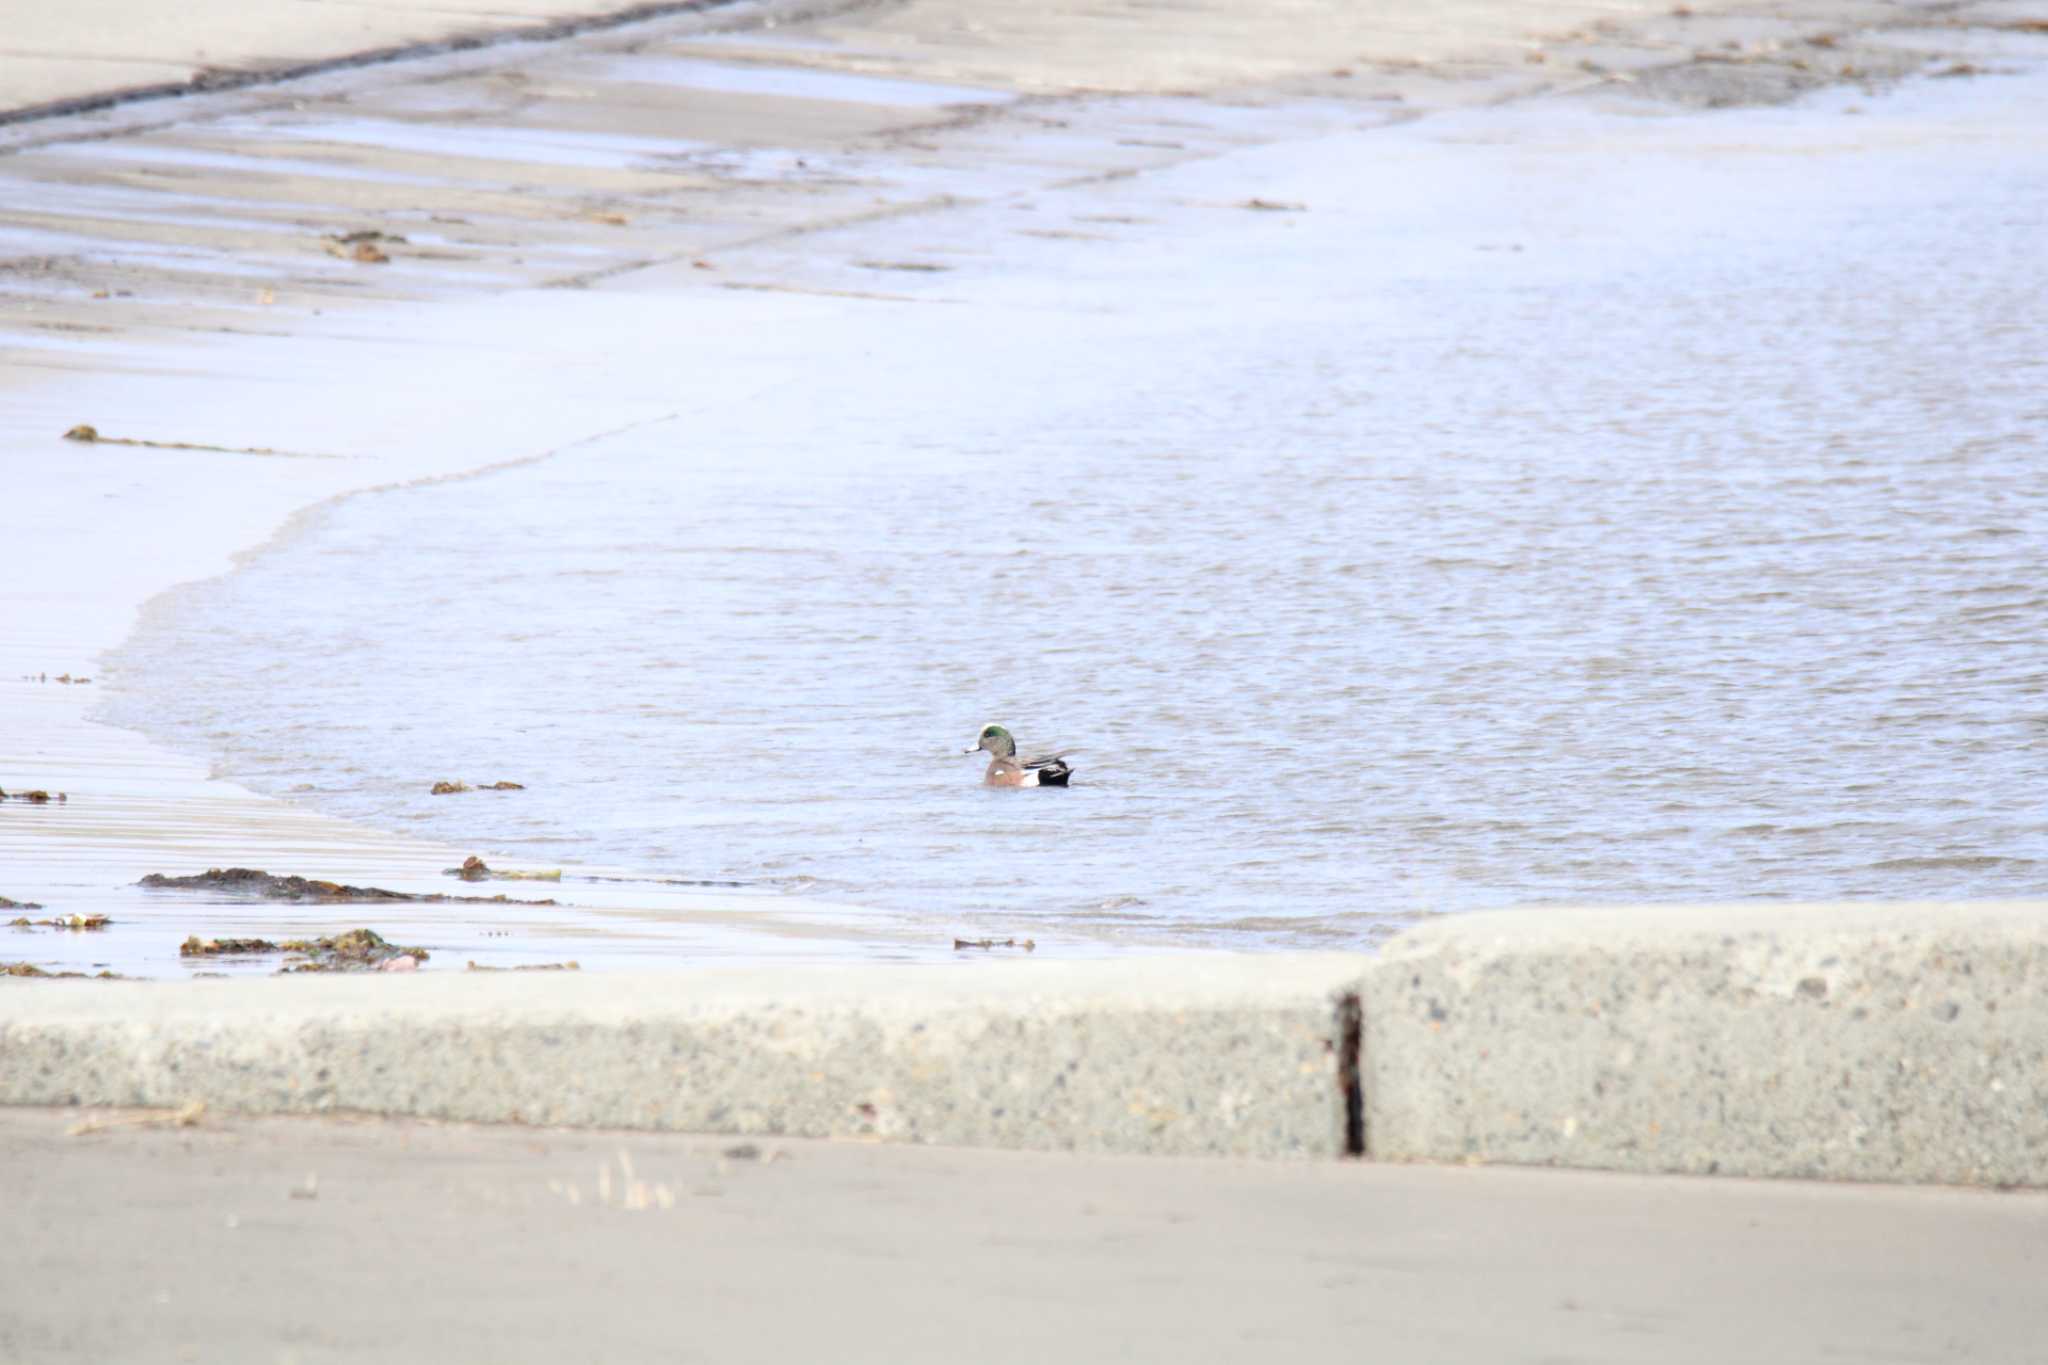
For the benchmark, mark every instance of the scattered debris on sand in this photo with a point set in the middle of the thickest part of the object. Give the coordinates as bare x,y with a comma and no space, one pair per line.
362,246
1024,944
529,967
249,881
61,922
664,881
30,969
195,946
88,434
474,869
448,788
187,1117
358,950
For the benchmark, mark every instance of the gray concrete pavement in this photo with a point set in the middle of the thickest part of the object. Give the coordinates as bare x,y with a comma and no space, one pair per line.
324,1240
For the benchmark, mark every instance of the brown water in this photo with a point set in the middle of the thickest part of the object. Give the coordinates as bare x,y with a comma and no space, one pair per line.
1564,507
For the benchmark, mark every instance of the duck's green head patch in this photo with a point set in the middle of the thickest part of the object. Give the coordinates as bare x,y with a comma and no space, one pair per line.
996,740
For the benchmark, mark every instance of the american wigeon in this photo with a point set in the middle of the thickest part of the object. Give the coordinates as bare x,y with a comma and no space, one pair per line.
1005,769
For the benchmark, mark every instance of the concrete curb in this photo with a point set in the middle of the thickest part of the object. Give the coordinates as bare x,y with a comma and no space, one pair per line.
1218,1055
1891,1042
1900,1043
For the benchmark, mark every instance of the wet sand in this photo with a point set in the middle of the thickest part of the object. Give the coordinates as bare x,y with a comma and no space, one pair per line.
182,272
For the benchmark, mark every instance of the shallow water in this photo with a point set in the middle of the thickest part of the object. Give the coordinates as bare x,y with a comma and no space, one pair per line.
1566,507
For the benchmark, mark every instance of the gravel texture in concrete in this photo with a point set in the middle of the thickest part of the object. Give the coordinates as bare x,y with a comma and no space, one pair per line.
1896,1043
1218,1055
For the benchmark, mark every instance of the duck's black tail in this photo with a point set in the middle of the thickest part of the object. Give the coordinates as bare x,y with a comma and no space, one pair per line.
1054,772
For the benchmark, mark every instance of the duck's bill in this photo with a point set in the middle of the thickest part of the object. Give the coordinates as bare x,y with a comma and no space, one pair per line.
975,750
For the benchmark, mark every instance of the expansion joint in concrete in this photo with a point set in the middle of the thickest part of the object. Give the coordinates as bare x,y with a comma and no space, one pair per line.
1350,1043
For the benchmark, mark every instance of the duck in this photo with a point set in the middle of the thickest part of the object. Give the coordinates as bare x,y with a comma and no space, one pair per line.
1005,769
